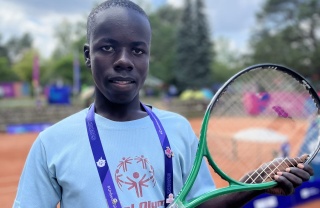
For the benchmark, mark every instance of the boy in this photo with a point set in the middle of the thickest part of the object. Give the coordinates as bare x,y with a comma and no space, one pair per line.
112,154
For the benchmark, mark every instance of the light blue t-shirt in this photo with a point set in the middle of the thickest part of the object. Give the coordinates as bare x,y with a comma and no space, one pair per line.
60,166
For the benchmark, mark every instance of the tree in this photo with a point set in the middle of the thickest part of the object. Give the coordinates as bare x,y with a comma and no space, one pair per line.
70,41
12,52
6,74
185,49
16,46
288,34
3,49
65,36
24,67
193,48
204,46
163,51
227,61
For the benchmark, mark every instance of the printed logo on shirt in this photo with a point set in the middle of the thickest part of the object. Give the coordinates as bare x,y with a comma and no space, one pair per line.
135,175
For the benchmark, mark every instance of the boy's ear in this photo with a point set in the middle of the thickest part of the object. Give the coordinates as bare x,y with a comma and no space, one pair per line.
86,53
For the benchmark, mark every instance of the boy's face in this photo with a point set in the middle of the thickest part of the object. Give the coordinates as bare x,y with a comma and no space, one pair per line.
119,53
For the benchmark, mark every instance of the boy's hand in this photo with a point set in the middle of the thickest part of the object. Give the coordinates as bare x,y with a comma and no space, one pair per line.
289,173
290,178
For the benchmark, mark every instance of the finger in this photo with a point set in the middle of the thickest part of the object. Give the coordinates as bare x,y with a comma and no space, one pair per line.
267,170
292,178
284,184
280,164
298,172
307,168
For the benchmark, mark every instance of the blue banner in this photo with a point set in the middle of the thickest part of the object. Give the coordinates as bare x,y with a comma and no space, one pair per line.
59,95
27,128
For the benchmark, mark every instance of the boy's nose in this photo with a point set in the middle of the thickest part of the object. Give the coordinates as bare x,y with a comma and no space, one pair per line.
123,61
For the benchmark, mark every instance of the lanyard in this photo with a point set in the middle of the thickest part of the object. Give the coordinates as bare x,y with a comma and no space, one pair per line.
102,164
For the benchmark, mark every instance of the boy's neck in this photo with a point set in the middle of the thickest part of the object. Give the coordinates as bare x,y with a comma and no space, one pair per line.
119,112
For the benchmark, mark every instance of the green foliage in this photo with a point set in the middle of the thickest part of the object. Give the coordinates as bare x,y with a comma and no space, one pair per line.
288,34
14,54
227,61
71,39
66,36
185,46
193,49
163,50
3,51
23,67
62,69
203,51
6,74
16,46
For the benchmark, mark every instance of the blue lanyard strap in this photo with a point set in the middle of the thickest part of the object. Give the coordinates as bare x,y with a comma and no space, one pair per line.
168,154
102,164
101,161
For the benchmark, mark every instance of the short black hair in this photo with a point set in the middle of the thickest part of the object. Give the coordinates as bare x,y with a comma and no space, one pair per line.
106,5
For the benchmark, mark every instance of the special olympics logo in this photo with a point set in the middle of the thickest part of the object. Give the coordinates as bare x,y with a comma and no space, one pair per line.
135,174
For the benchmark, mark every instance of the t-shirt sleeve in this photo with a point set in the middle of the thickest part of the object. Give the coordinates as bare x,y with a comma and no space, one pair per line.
204,182
37,186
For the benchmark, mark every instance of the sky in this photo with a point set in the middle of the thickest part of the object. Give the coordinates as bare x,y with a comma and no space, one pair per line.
230,19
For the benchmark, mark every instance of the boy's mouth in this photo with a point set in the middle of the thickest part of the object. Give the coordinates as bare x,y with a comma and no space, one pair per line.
122,80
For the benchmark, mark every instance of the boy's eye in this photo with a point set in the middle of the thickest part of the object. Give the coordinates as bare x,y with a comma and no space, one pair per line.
137,51
107,48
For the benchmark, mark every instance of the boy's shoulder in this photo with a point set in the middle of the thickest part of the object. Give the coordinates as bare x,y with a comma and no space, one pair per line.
66,132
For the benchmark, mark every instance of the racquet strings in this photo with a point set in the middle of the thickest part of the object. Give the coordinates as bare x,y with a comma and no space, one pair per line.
261,115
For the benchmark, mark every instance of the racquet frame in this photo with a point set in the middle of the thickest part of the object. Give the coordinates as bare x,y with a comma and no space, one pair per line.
203,151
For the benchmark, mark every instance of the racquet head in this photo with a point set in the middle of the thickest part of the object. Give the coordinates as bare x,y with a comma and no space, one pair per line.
259,118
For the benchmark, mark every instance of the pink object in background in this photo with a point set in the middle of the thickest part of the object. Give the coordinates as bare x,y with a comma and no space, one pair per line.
35,71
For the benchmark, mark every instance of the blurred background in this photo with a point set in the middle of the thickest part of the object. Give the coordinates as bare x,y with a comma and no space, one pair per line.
196,46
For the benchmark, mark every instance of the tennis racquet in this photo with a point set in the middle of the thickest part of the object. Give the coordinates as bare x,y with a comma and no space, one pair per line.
264,112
